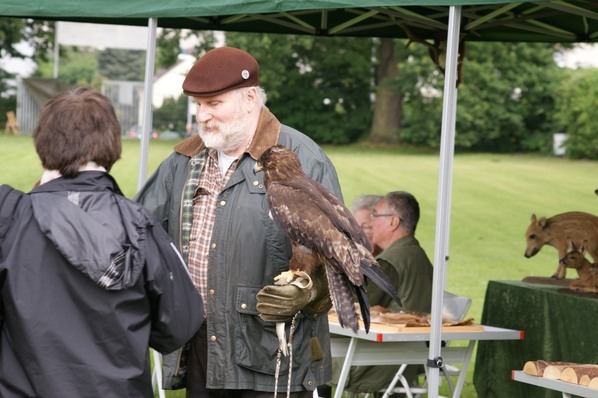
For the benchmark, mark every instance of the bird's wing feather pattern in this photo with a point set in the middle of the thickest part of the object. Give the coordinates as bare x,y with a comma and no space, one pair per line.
316,220
301,215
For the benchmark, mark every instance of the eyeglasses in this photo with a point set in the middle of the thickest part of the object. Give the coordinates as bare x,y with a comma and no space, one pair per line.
374,215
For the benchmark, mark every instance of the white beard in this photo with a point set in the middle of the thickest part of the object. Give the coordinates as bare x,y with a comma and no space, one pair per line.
226,137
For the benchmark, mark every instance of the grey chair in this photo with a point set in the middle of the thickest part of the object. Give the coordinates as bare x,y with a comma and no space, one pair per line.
454,307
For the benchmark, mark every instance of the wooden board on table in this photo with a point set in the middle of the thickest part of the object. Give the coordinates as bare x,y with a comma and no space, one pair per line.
403,328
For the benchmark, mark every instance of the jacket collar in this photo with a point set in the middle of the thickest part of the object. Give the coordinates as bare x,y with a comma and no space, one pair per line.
266,135
83,181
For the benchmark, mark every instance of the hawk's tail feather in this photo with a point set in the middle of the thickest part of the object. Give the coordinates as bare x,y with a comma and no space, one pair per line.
341,290
364,305
375,273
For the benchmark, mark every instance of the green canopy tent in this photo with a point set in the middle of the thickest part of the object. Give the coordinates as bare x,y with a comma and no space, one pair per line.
487,20
566,21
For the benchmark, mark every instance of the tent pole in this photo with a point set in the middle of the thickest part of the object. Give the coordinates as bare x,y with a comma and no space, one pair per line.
147,123
443,209
56,52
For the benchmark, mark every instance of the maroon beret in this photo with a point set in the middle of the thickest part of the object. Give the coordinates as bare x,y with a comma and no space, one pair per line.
220,70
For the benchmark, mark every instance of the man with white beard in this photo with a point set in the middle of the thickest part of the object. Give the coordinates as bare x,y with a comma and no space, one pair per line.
213,205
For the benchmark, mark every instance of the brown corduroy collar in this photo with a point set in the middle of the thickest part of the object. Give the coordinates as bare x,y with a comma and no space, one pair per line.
266,135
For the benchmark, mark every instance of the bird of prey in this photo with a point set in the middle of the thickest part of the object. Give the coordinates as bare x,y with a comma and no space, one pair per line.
322,231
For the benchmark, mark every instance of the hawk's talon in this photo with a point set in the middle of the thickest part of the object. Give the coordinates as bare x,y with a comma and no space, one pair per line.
284,278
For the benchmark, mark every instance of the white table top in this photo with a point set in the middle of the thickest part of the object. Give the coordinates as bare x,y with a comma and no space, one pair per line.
459,333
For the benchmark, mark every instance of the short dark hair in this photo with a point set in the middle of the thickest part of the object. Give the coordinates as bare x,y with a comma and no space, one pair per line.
406,206
76,127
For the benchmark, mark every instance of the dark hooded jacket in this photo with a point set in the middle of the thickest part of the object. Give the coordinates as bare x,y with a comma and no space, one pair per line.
88,280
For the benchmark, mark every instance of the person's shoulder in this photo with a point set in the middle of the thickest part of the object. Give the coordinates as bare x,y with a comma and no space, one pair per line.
403,247
189,147
6,192
135,212
9,200
300,143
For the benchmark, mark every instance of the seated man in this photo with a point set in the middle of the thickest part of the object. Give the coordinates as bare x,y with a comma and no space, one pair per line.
395,219
362,208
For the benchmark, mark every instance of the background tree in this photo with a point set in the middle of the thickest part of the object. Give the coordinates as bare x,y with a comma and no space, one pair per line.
577,102
78,65
168,44
167,47
121,64
417,86
319,85
505,102
38,35
172,115
387,108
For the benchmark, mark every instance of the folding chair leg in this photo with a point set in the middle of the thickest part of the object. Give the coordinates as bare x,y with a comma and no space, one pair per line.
398,377
449,381
157,374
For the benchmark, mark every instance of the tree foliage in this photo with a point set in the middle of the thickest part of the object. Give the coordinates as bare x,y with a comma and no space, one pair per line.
168,44
505,102
121,64
577,101
318,85
172,115
77,65
38,35
387,110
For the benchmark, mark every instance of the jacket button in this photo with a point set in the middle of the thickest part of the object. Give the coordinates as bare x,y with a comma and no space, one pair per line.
243,306
309,383
256,182
222,202
212,338
213,245
211,291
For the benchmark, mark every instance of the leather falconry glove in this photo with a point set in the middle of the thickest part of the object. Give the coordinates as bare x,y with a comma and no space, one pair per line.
307,293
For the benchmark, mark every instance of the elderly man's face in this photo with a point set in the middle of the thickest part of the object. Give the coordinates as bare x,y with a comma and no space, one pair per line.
222,119
382,227
362,216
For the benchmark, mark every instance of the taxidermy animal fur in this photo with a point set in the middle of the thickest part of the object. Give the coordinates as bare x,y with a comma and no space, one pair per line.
554,231
588,272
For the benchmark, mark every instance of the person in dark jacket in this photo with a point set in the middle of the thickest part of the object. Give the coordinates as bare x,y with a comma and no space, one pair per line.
213,205
89,280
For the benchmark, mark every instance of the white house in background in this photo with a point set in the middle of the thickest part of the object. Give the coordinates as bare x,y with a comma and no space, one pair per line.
169,83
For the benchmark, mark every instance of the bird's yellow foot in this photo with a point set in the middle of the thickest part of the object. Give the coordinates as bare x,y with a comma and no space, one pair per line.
298,278
284,278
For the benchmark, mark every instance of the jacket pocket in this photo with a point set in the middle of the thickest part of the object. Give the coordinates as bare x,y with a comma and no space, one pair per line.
256,343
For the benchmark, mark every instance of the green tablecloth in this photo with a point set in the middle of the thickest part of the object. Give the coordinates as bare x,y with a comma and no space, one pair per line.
559,325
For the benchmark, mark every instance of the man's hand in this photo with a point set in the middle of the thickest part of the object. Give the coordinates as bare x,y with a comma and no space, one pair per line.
280,303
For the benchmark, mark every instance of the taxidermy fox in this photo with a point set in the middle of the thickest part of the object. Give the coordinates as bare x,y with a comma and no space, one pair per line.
555,231
588,272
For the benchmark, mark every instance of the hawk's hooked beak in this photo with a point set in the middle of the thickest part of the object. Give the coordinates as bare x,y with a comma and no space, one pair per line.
258,167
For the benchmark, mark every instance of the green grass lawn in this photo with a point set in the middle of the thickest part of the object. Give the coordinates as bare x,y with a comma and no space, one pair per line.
493,198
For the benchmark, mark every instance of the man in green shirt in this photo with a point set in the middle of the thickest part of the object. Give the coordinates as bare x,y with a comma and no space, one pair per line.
403,260
395,219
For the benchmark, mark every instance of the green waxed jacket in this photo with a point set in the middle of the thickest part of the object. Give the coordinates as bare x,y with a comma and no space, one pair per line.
248,251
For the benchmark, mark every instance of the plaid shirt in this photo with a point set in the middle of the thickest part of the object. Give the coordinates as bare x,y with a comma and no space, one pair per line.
209,186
